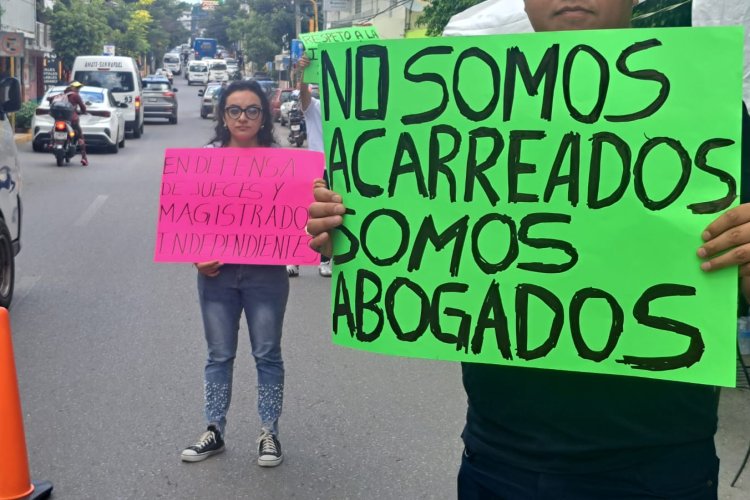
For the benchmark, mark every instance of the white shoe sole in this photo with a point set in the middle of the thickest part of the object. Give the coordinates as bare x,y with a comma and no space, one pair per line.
270,463
201,457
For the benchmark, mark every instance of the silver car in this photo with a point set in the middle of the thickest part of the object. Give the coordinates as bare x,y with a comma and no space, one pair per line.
159,99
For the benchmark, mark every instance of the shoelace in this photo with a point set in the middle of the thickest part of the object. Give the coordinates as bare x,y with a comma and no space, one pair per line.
205,439
267,444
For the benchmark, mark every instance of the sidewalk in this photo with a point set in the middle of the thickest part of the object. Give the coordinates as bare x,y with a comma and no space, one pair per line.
732,442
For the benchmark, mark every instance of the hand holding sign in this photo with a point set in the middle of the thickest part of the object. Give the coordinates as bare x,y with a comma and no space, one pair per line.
236,205
326,214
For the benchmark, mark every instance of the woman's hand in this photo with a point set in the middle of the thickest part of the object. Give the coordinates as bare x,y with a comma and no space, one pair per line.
727,241
210,269
326,213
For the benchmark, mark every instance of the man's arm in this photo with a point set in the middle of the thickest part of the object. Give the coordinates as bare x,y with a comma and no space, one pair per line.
305,98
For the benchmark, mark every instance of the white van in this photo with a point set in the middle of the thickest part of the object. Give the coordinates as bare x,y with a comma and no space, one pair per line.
197,72
120,75
172,62
217,70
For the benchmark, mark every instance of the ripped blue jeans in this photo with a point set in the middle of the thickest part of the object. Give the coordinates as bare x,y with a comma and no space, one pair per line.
261,292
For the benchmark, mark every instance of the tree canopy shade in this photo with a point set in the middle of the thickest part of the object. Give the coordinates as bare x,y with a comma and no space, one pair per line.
83,27
439,12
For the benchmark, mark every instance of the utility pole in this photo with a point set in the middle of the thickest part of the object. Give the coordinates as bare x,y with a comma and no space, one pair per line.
297,19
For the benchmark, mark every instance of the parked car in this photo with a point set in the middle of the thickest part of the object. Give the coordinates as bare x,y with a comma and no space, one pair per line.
159,99
207,98
197,72
166,74
10,190
103,125
278,97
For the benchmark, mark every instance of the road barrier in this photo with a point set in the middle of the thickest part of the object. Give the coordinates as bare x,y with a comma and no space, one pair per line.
15,482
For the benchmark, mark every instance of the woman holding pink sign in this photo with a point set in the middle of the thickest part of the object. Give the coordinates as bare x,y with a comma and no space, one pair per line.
226,290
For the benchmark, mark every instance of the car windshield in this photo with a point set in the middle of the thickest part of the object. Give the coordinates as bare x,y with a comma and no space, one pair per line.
171,59
115,81
211,90
198,68
156,86
219,67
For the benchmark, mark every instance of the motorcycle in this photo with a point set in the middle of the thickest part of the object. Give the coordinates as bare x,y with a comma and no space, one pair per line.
63,141
297,128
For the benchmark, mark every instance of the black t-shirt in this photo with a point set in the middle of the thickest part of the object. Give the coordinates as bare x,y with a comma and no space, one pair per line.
565,422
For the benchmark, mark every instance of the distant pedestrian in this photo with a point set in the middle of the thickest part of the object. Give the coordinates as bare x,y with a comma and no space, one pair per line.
225,291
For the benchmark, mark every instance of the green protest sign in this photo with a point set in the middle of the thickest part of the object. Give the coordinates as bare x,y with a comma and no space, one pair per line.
537,200
313,40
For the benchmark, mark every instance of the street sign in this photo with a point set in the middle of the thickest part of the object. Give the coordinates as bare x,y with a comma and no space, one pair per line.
11,44
50,75
109,50
332,5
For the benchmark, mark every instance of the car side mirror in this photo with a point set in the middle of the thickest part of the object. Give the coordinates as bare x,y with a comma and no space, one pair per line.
174,89
10,95
200,93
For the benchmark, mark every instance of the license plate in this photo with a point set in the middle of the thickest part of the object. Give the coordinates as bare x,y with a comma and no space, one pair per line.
152,99
61,136
295,127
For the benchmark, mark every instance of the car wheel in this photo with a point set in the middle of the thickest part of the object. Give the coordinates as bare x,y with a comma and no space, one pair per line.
121,144
137,131
113,149
173,120
37,147
204,115
7,266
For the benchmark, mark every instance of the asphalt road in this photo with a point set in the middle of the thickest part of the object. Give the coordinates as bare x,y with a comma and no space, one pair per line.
109,352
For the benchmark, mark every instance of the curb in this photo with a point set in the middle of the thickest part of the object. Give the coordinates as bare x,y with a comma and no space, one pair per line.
22,138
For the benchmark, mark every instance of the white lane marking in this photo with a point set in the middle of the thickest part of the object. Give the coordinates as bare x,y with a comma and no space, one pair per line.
86,216
22,289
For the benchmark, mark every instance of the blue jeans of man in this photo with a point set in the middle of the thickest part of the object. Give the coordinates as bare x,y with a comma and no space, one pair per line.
261,292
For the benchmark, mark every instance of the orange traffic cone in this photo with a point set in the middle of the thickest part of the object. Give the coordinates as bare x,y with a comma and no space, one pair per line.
14,465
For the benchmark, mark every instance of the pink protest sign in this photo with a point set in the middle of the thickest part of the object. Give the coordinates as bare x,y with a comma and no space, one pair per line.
236,205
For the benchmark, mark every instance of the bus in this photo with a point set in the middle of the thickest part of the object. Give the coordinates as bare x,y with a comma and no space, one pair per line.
204,47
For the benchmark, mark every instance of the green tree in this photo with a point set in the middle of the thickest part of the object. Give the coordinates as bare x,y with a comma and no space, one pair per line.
78,27
133,41
260,26
439,12
166,31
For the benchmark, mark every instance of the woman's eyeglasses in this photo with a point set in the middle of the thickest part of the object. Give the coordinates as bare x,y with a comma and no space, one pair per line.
252,112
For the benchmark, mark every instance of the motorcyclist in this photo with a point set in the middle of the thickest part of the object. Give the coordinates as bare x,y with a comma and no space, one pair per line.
79,107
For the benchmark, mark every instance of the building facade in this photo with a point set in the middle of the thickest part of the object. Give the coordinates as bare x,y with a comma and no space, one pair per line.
25,46
392,18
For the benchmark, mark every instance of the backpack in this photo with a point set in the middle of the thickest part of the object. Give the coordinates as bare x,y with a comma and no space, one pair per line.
60,107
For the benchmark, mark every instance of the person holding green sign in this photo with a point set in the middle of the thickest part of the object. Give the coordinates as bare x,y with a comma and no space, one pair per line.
542,434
